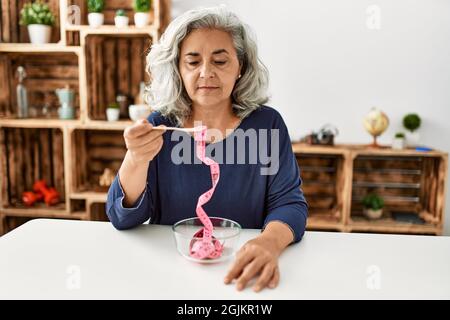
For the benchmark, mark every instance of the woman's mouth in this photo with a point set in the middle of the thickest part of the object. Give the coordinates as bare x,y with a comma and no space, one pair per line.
207,88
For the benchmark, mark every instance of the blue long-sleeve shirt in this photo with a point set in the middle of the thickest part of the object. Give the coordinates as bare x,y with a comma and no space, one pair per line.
244,193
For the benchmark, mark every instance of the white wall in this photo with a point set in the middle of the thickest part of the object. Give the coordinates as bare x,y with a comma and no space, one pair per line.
326,65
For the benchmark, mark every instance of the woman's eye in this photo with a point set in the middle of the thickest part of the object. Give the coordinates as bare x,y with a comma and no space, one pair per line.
220,62
193,63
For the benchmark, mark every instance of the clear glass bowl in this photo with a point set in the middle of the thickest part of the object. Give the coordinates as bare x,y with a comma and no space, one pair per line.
225,231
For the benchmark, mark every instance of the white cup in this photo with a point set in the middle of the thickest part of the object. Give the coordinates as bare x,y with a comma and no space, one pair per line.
139,111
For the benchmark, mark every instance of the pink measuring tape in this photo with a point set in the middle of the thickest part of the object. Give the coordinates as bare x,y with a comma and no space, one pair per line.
207,247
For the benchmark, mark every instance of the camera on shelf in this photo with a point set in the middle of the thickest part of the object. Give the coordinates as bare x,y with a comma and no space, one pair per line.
325,136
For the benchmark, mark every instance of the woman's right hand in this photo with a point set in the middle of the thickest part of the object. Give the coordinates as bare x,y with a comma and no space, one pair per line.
143,143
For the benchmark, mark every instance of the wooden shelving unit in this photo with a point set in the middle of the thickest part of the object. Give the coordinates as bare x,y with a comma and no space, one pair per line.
412,183
69,154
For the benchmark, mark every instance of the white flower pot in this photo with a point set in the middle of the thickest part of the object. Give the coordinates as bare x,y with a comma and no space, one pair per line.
112,114
95,19
141,19
412,138
373,214
121,21
39,33
398,143
139,111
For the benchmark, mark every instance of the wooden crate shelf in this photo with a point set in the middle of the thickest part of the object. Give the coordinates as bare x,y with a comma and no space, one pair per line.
412,184
95,150
45,74
115,64
28,155
322,177
98,63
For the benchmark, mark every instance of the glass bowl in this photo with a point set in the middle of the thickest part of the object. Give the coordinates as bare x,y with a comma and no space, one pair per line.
225,231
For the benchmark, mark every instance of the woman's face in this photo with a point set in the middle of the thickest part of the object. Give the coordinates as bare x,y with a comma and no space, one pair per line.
209,66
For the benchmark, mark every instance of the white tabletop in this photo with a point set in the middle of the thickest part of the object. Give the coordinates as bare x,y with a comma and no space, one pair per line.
63,259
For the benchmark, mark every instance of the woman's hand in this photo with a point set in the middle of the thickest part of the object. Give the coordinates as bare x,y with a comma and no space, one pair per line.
258,256
143,143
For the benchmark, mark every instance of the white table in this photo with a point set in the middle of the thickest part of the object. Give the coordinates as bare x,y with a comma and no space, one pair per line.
62,259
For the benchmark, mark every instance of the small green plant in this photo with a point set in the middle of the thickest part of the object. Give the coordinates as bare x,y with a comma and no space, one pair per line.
113,105
95,6
120,13
412,122
37,12
142,5
373,201
400,135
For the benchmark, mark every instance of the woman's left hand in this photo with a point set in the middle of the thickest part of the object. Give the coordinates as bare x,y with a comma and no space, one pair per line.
258,257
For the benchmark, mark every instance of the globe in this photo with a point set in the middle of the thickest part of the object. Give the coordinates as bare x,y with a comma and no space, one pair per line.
376,122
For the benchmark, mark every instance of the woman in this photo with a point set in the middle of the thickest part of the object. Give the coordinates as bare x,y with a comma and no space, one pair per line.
205,69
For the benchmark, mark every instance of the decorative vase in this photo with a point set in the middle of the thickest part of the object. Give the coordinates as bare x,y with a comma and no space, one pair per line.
121,21
39,33
398,143
141,19
412,138
95,19
112,114
373,214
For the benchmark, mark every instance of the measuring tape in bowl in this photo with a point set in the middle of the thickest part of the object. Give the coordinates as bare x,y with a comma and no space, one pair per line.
204,245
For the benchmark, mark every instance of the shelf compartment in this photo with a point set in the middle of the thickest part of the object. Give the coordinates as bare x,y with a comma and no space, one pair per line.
114,64
78,206
28,155
45,74
97,212
409,186
95,150
323,180
13,32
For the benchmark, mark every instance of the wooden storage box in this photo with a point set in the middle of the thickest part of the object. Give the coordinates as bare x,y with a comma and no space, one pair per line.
324,181
336,179
95,150
412,187
115,65
28,155
45,74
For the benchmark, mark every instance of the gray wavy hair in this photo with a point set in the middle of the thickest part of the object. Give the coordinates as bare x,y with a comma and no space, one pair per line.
166,91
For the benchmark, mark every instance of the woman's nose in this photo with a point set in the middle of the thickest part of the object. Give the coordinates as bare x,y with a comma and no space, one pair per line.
206,71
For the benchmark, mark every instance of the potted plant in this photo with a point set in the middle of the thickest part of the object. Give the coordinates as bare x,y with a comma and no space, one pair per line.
121,19
399,141
113,111
373,206
142,13
39,20
95,16
412,122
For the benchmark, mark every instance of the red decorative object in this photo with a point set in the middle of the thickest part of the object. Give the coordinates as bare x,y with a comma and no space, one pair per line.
51,196
41,192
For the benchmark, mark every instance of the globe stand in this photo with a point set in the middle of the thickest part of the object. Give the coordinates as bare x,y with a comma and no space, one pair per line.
375,144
